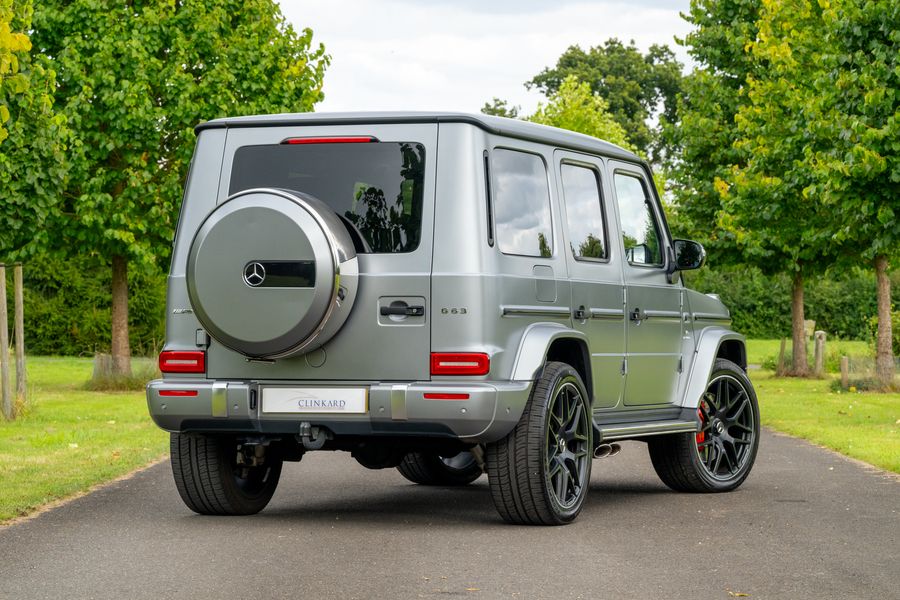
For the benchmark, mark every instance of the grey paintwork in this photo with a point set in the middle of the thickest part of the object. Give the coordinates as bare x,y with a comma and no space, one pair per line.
645,377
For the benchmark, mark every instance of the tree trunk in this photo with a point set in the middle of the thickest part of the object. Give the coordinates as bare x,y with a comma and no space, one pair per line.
884,355
799,362
121,350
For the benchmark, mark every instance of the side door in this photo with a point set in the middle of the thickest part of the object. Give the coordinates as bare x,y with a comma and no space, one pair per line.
653,306
595,271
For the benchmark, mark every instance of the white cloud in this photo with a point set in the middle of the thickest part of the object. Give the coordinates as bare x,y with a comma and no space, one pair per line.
443,55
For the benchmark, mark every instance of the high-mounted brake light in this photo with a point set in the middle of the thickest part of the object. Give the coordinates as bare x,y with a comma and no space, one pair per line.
182,361
177,392
353,139
460,363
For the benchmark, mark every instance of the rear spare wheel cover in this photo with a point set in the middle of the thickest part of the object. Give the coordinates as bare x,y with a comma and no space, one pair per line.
272,273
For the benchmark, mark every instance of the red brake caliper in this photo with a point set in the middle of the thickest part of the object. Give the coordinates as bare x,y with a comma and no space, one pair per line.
701,436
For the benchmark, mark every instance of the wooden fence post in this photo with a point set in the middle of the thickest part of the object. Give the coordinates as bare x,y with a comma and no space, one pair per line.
5,395
820,354
845,372
19,333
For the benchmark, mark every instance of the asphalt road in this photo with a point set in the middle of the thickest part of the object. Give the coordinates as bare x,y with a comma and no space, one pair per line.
806,524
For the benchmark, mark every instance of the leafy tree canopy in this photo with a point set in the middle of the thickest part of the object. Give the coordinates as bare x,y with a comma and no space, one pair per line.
634,85
32,135
576,108
706,132
135,78
500,108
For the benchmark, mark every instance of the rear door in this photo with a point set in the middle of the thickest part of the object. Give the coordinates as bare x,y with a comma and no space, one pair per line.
595,271
384,190
653,305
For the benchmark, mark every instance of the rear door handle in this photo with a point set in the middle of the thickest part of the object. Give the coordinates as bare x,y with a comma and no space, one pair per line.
637,315
403,311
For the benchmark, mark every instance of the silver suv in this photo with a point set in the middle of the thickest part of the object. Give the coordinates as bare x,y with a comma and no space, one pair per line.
445,294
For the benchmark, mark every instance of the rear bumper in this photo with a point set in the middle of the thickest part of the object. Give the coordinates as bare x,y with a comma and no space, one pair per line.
491,410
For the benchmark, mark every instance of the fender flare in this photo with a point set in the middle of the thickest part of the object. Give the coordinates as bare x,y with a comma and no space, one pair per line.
708,344
536,341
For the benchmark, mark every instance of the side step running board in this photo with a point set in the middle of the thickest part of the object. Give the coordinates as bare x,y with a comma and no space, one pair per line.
620,431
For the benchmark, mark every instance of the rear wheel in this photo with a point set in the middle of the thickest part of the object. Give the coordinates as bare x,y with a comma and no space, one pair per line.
432,469
539,473
212,481
719,457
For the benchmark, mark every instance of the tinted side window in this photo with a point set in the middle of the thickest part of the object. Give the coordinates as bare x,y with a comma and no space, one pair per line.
521,203
376,188
584,213
640,232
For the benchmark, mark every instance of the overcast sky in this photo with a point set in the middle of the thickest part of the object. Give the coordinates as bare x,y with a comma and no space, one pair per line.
456,55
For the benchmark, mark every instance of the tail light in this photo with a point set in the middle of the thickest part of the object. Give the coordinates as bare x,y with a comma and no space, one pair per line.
182,361
460,363
178,393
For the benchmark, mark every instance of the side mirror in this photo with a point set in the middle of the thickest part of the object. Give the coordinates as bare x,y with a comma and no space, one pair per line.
689,255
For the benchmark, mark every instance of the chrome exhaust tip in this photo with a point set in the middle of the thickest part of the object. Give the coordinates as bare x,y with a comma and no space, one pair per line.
614,449
602,451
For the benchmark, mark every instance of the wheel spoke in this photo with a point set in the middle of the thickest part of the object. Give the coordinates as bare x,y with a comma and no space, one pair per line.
557,465
718,462
731,465
740,409
562,486
744,427
572,425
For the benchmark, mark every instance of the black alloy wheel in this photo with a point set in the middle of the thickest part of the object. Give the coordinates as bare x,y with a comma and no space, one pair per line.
720,455
727,433
568,445
539,473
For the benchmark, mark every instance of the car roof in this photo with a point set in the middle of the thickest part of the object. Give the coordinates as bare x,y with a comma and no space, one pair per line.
513,128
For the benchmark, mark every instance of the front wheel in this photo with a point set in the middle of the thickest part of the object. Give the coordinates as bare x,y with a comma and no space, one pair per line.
212,481
719,457
539,473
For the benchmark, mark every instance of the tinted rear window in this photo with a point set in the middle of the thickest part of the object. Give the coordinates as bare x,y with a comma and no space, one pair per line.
376,188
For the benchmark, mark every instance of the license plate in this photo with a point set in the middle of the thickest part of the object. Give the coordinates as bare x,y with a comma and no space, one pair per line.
314,400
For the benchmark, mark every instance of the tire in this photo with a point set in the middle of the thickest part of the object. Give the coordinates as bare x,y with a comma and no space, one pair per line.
539,473
211,482
719,457
432,469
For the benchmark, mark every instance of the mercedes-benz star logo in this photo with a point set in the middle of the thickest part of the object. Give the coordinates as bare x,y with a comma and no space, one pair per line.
254,274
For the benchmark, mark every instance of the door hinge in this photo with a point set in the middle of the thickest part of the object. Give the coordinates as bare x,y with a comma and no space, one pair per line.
624,366
681,365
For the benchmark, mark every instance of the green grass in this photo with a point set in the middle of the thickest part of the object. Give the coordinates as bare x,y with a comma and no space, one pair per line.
862,425
760,350
70,439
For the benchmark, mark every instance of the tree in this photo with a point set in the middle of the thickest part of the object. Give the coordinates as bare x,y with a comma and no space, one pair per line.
737,183
773,217
133,80
634,85
576,108
853,115
32,135
500,108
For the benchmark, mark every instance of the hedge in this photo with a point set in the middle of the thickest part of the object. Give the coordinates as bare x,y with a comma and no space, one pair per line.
67,307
